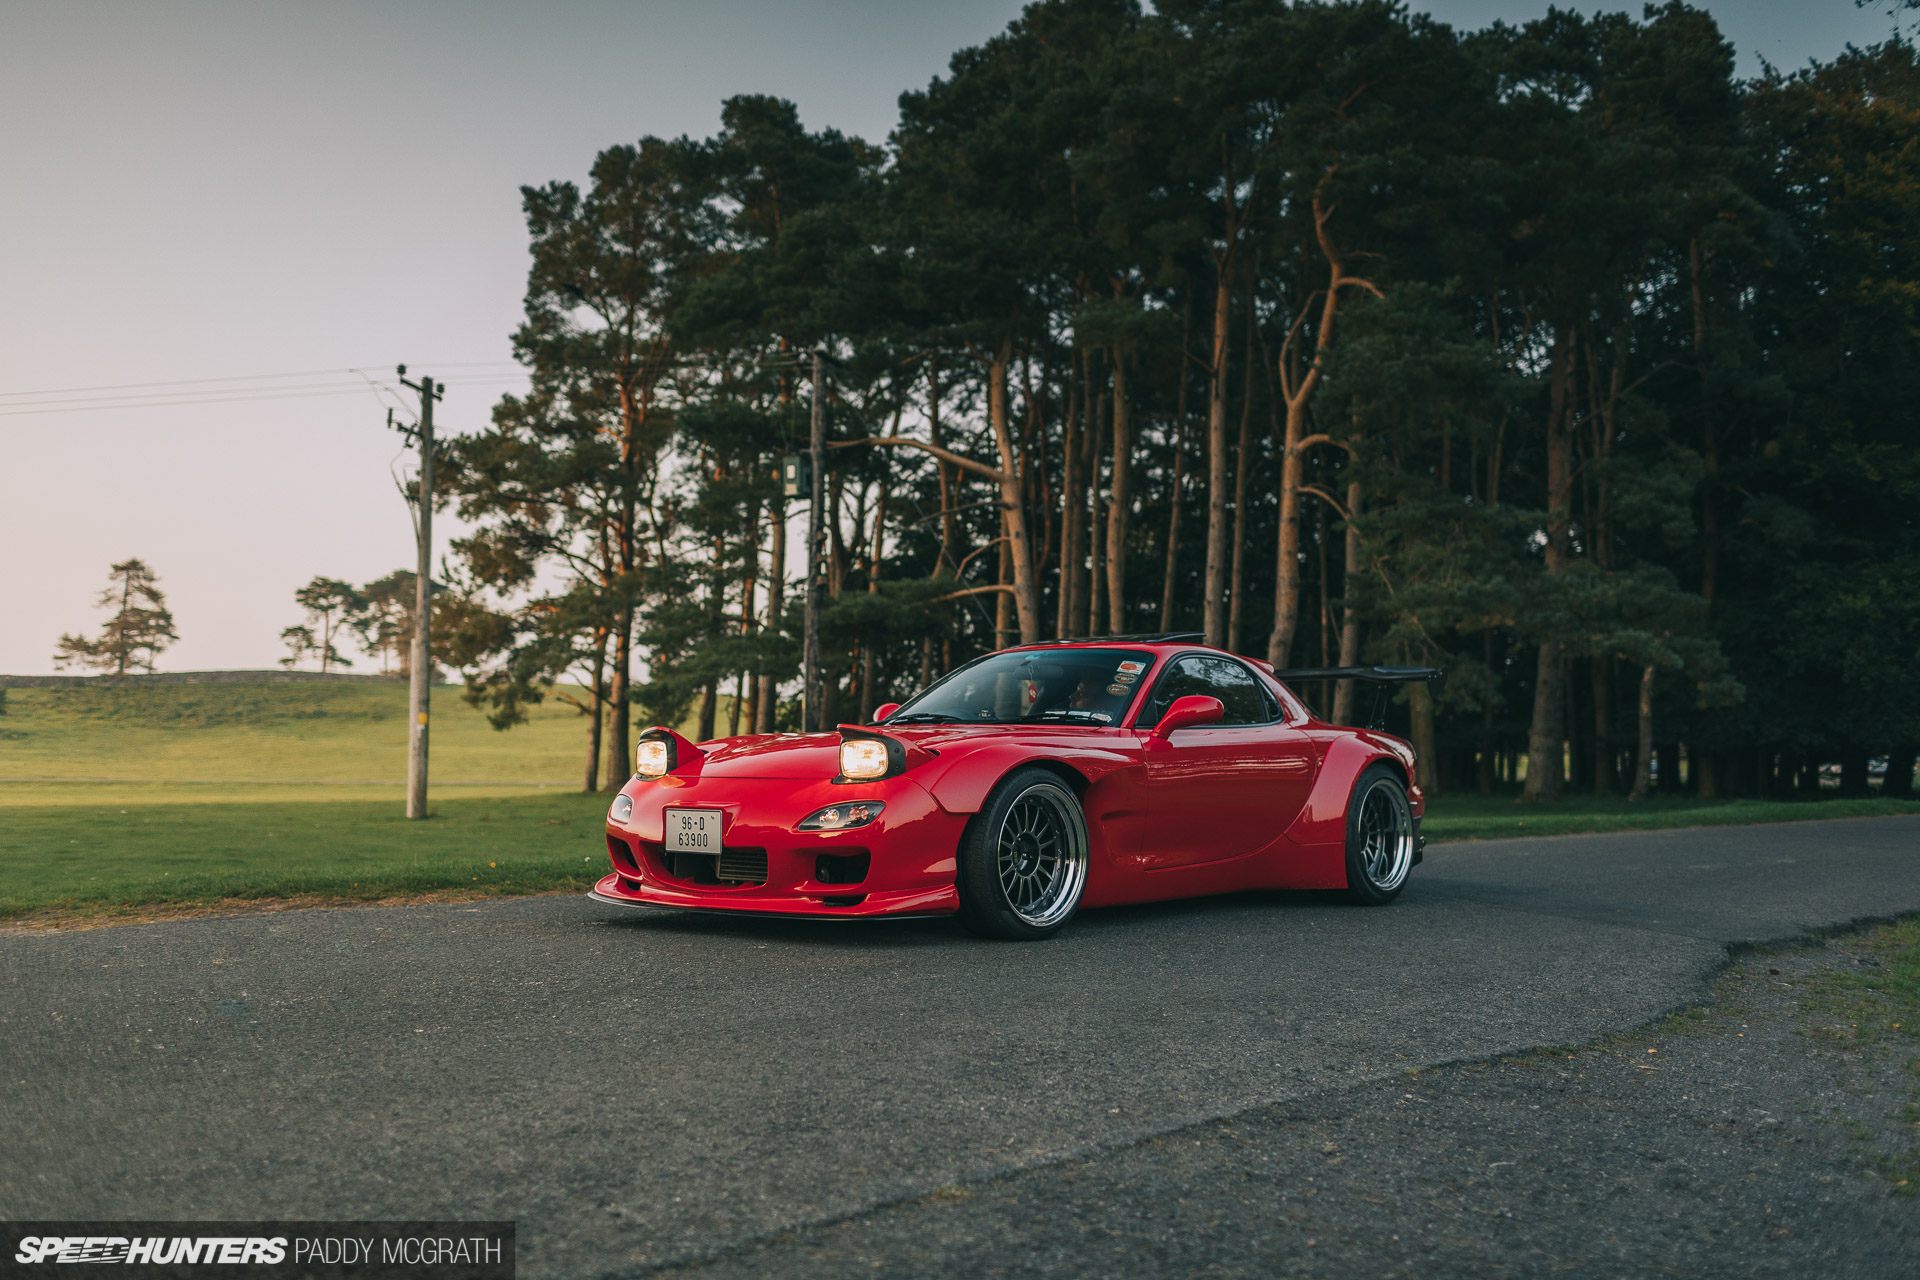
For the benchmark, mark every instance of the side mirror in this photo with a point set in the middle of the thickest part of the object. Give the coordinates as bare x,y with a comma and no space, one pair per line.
1189,712
884,710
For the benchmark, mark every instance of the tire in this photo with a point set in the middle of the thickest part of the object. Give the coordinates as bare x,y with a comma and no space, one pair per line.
1381,837
1023,860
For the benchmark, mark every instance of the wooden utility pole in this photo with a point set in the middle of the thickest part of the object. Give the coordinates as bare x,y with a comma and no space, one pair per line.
420,685
811,695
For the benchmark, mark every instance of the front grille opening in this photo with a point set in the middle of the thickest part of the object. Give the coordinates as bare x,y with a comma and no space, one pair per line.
742,866
729,866
843,899
841,868
695,868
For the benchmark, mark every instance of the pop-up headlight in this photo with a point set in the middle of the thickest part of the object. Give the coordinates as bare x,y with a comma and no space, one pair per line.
652,757
862,758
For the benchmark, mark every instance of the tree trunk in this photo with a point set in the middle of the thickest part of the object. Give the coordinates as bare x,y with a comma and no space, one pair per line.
1072,504
746,689
1488,751
1545,737
1853,773
875,553
1899,779
591,783
1349,617
768,698
1286,572
1003,632
1297,388
1214,612
1425,753
619,761
1242,464
1709,442
1173,521
1179,471
1097,548
1643,765
1706,777
1579,737
709,710
1602,748
1668,753
1026,594
1121,507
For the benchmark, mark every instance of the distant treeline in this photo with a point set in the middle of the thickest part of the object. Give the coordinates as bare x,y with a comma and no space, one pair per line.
1555,355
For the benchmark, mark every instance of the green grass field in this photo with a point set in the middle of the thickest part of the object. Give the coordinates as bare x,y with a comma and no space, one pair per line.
160,798
1475,817
308,732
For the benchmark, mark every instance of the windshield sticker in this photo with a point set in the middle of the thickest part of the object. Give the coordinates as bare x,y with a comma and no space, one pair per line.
1100,716
1126,677
1135,667
1118,690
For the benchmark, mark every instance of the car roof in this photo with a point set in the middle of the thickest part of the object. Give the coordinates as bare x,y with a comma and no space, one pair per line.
1161,643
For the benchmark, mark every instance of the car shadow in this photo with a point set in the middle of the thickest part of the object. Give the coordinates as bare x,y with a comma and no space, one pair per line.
863,933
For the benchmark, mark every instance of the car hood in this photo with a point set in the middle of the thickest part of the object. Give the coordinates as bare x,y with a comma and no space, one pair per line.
813,756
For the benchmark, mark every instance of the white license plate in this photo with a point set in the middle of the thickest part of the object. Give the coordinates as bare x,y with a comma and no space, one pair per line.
693,830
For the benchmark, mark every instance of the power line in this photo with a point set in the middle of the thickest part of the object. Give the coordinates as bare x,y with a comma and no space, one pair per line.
240,395
244,377
162,397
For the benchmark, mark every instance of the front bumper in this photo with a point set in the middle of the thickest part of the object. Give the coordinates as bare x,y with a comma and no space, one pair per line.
908,852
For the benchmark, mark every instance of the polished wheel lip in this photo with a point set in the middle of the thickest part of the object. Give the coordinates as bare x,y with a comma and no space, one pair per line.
1386,835
1040,856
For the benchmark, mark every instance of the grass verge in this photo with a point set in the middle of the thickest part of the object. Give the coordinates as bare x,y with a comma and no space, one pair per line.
120,858
1875,1011
1473,817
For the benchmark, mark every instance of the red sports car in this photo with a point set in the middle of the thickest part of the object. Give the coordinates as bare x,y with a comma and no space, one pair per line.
1026,785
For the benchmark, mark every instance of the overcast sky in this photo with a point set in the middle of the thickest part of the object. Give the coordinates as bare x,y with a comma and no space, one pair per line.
199,191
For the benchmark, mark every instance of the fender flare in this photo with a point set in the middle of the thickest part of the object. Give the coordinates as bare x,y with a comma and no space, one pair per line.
1323,819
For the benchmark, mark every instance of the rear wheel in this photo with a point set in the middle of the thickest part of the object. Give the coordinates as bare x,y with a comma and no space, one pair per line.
1023,859
1380,836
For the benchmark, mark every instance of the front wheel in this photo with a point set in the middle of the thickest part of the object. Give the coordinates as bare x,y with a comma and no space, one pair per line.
1380,837
1023,859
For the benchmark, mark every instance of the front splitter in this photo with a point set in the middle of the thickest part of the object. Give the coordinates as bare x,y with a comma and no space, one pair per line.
763,913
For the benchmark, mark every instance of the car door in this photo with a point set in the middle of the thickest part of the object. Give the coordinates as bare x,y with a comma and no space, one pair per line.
1222,790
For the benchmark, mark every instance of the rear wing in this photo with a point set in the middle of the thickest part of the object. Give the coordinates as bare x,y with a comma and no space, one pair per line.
1379,677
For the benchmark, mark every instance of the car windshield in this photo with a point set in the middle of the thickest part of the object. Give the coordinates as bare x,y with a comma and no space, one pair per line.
1065,686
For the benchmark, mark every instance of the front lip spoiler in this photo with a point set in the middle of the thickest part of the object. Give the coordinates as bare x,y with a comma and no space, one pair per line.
597,896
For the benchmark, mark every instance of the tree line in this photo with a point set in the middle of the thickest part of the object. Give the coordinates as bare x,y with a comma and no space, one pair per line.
1554,354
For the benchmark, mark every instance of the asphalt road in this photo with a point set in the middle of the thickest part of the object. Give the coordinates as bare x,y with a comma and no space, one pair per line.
641,1088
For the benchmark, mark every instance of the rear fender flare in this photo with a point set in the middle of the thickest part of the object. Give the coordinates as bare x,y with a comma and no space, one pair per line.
1323,819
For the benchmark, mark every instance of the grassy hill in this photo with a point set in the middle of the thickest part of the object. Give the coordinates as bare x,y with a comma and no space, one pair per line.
255,733
121,800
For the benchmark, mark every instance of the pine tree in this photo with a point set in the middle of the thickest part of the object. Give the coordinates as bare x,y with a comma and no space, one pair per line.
139,630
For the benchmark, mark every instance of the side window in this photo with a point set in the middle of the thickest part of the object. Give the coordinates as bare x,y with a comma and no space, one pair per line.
1246,702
